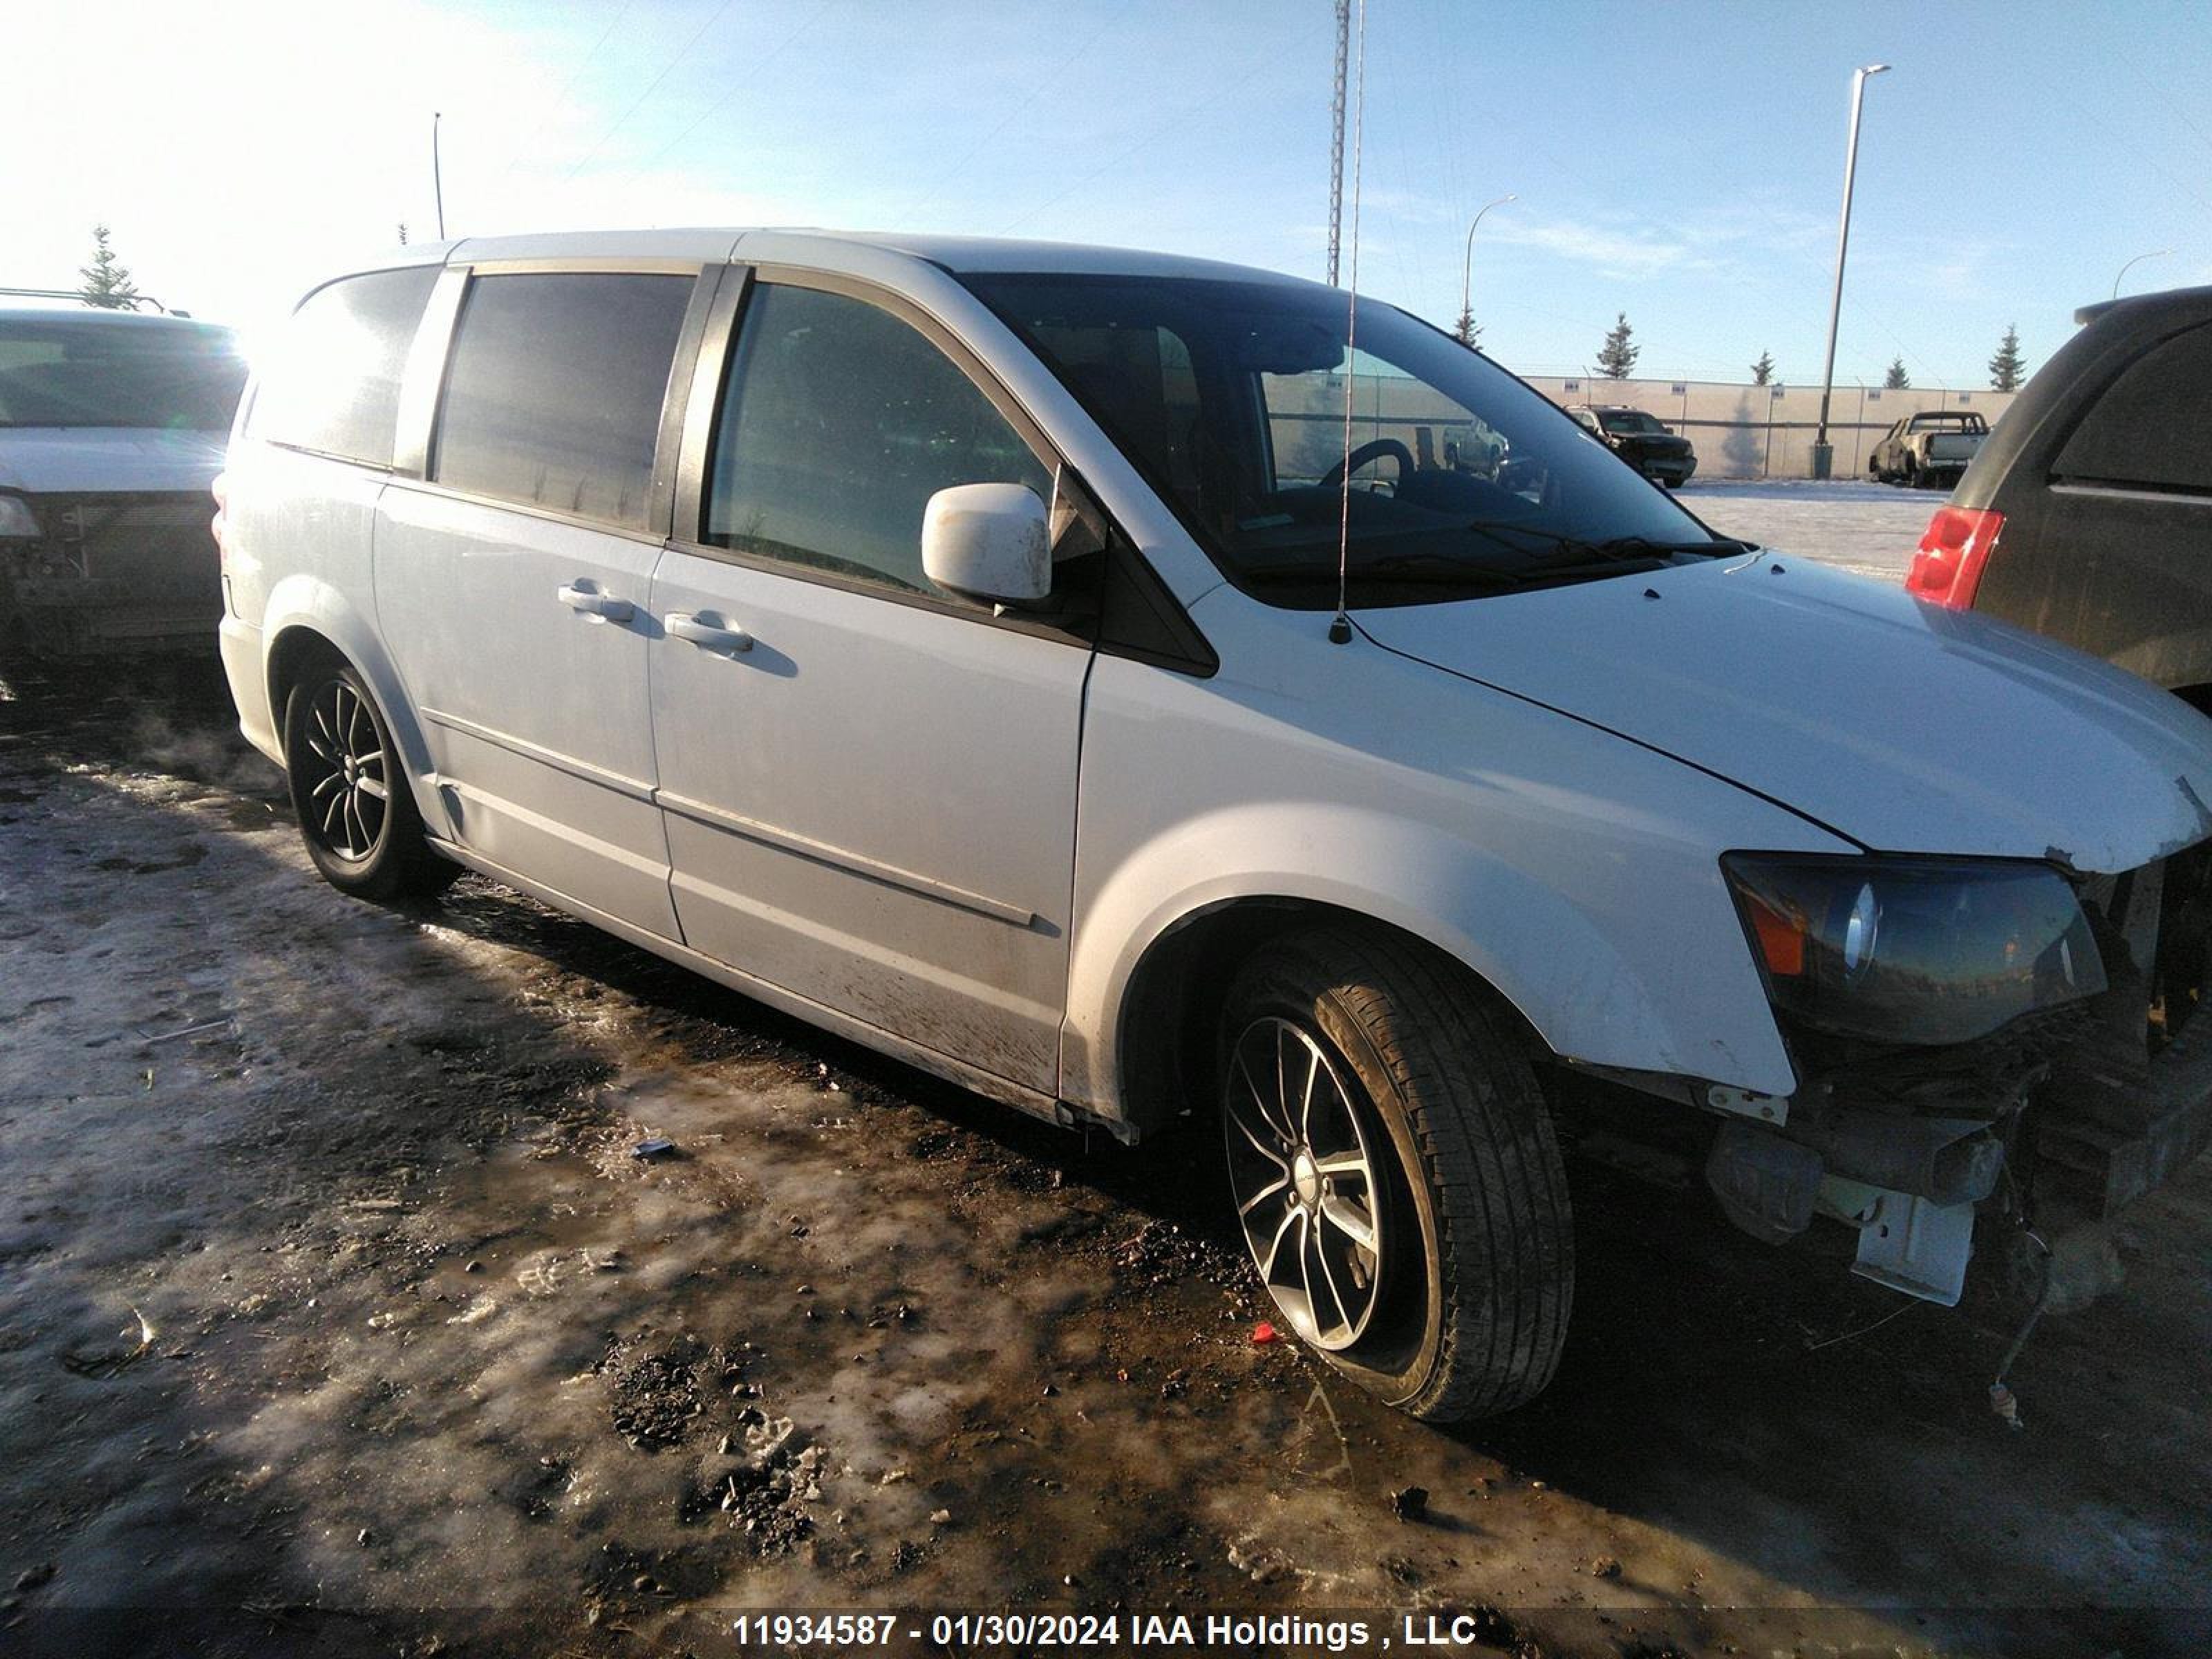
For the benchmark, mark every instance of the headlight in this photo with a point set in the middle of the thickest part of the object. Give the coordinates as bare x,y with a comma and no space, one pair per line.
1918,952
17,521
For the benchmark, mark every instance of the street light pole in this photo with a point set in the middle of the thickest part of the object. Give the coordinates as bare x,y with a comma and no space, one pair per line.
1466,270
1823,454
438,174
2155,253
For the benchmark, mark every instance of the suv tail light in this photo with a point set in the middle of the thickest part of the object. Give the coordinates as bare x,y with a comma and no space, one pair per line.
1952,550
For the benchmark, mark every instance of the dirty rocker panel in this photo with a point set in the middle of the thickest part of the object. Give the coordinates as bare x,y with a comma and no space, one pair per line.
989,1084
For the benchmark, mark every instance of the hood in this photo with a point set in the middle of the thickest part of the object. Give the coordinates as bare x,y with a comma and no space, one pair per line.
1900,726
92,460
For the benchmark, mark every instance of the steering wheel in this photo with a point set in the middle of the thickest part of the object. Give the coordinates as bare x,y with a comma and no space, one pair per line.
1373,449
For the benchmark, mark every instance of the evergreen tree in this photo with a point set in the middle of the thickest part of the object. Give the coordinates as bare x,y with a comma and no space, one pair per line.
1762,371
2006,369
1617,355
108,283
1467,331
1897,379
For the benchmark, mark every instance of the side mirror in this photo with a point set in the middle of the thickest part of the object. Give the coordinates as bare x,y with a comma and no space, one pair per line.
989,541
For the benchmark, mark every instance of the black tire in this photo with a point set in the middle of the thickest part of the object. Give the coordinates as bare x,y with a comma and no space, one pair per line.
357,811
1472,1264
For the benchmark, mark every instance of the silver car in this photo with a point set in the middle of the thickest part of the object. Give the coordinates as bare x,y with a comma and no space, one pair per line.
112,428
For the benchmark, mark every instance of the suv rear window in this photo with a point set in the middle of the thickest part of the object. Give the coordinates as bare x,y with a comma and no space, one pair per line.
2152,426
333,386
554,390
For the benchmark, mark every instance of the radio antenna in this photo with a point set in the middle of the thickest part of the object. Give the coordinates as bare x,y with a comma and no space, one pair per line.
1339,627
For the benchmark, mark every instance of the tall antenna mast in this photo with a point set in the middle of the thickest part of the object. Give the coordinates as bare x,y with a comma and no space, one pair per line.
1336,136
438,174
1339,626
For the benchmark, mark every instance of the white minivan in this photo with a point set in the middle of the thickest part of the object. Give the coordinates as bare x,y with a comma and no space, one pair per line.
1086,675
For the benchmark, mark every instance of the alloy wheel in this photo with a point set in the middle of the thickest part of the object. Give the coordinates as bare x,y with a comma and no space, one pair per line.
1304,1180
347,777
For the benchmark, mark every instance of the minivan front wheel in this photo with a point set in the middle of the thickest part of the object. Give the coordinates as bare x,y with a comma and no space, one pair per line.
1394,1172
357,814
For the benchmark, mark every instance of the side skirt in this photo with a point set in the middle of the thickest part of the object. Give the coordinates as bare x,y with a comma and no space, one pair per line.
999,1089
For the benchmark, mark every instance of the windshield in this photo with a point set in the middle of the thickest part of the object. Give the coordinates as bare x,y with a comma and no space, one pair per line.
81,371
1629,420
1230,397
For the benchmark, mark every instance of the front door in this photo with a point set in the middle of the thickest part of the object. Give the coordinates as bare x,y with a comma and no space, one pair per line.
868,783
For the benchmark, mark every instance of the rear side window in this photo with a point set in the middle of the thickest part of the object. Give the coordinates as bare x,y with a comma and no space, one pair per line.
334,384
554,390
838,423
2152,426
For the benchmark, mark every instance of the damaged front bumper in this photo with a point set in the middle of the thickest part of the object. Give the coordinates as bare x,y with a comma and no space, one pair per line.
2060,1120
110,572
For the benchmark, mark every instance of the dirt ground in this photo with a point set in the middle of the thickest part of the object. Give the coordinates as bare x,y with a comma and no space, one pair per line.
336,1316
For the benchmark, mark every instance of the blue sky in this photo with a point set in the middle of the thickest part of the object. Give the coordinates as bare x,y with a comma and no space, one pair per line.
1677,162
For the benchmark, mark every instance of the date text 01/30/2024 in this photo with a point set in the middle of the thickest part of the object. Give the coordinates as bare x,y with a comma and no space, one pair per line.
1165,1630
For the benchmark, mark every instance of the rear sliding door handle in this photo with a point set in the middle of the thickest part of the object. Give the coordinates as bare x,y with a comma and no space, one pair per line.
710,635
583,594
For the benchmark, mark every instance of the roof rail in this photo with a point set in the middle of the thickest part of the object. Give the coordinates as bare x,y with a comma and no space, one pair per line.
78,294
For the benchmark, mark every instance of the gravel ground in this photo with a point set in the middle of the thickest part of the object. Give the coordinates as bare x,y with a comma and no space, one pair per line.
336,1316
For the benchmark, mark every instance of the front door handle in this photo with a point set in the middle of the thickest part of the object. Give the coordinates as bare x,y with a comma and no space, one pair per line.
712,635
583,594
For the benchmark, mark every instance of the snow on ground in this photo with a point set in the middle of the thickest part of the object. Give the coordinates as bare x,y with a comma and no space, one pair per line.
1869,528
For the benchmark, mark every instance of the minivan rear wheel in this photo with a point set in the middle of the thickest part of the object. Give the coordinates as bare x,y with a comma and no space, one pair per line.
1395,1174
357,814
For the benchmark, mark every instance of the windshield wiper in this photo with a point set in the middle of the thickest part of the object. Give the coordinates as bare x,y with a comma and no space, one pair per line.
1435,569
1580,559
1616,549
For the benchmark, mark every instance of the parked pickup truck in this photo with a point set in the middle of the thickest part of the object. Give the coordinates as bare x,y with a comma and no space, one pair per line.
1929,449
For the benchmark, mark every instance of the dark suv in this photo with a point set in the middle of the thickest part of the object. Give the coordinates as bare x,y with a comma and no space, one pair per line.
1640,440
2087,515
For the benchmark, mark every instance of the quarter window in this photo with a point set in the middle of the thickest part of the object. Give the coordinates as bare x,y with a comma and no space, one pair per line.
554,390
334,384
838,423
2154,425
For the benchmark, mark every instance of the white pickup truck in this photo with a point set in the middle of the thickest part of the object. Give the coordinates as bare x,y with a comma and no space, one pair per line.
1929,449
